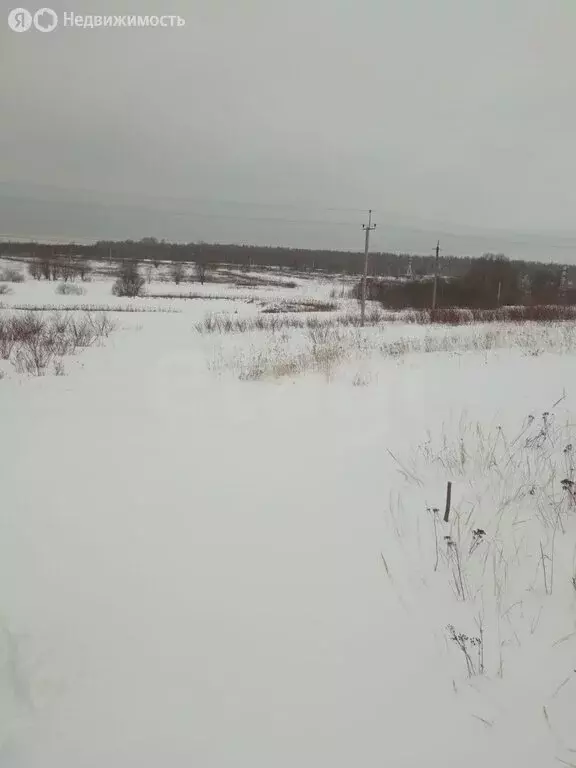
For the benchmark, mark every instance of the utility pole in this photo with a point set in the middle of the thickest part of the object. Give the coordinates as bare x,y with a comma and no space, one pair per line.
367,229
563,285
436,270
410,271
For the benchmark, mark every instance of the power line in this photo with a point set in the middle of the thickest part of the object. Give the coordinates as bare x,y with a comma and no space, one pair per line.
146,203
233,217
502,237
139,200
500,240
488,234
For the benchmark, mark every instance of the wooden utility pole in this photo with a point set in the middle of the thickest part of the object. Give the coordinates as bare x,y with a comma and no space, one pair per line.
367,229
436,269
563,285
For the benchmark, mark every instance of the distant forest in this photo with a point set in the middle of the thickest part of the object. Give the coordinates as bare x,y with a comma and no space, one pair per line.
258,257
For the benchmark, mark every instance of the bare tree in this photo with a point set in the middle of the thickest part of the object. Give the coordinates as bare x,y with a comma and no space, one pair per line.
129,281
178,272
84,269
67,269
35,269
46,267
201,271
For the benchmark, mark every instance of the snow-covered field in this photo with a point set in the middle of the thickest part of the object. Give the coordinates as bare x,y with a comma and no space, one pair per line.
221,548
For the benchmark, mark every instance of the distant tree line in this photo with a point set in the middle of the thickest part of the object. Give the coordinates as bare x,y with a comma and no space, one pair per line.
489,282
48,266
247,257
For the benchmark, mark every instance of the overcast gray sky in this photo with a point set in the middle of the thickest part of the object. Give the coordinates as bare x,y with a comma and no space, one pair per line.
449,117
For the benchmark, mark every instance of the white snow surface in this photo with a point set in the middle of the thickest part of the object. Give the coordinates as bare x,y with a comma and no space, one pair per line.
201,570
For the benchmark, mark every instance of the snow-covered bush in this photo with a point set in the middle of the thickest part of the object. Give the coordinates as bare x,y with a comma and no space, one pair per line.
70,289
10,275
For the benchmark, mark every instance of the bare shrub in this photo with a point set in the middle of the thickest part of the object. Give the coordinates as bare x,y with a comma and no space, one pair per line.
102,324
339,292
27,326
304,305
7,338
320,335
34,356
507,546
273,364
60,322
35,349
92,308
82,332
325,348
10,275
361,380
5,290
458,316
35,343
57,334
70,289
203,296
129,281
223,323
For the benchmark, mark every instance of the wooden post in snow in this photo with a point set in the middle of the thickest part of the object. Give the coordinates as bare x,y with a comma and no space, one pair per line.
448,501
